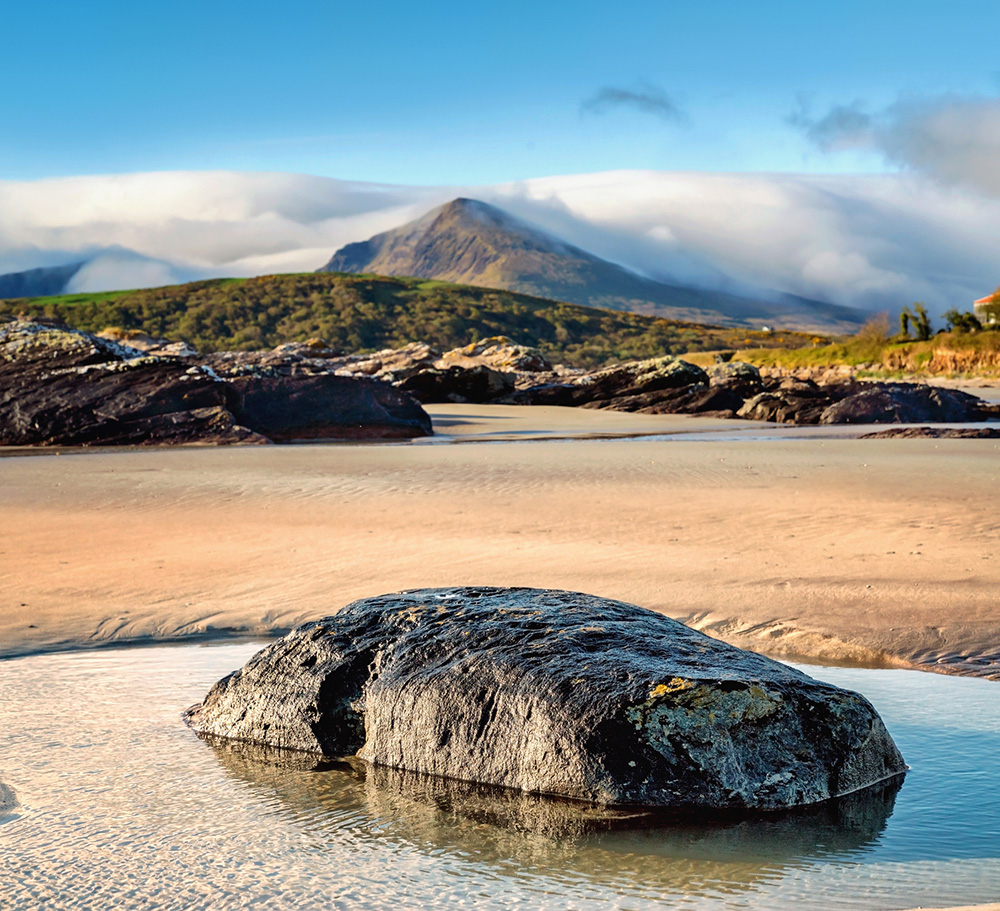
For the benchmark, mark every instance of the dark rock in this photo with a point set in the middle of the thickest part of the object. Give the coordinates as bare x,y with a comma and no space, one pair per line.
634,386
63,387
659,401
60,386
554,693
783,408
457,384
935,433
735,373
902,403
797,401
326,407
564,394
148,344
391,361
789,401
638,378
697,399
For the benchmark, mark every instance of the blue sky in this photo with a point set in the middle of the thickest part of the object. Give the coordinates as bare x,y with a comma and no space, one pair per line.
452,92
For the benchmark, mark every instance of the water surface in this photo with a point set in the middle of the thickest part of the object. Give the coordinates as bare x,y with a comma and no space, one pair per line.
122,806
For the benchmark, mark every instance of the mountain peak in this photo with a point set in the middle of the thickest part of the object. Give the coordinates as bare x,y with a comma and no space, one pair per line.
466,240
475,215
472,242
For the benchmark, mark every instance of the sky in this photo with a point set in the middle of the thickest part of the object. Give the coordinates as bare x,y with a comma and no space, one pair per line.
457,92
847,152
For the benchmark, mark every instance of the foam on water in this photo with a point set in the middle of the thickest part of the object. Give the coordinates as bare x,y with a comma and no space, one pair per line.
122,806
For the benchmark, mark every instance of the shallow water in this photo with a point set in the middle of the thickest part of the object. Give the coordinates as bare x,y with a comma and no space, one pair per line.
122,806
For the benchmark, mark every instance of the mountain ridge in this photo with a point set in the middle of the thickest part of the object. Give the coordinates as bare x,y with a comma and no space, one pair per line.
39,282
468,241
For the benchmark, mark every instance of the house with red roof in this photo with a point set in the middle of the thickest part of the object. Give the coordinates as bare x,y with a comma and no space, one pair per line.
983,315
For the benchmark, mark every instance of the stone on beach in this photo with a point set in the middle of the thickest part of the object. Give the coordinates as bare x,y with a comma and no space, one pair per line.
556,693
326,407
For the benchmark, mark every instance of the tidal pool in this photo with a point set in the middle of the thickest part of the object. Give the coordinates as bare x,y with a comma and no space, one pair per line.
120,805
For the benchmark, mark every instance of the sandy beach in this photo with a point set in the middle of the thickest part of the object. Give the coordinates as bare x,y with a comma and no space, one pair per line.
827,549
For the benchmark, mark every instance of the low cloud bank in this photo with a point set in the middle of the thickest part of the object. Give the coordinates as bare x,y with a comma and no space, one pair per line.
116,269
868,242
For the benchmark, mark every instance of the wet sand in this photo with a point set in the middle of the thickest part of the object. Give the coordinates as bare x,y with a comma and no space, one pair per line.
832,550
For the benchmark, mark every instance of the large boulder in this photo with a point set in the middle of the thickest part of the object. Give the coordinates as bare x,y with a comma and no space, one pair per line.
555,693
326,407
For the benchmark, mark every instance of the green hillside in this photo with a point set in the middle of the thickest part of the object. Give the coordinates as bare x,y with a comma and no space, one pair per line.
358,313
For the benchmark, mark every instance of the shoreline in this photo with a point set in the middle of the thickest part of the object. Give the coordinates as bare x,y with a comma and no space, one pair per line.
227,636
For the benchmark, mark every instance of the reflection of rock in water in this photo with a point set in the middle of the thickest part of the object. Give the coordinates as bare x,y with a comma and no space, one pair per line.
8,800
575,842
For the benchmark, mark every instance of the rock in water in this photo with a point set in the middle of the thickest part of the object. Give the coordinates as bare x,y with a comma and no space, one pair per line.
557,693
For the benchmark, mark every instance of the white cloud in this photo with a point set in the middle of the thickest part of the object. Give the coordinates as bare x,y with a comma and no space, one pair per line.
207,218
117,269
954,139
870,242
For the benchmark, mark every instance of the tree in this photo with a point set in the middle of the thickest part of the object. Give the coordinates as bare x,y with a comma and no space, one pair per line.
921,322
961,322
904,322
875,330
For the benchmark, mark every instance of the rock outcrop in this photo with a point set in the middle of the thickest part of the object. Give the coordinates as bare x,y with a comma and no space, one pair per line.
500,353
791,401
498,371
554,693
634,386
902,403
326,407
478,384
935,433
63,387
797,401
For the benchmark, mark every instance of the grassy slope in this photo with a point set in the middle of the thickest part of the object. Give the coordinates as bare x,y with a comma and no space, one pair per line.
947,353
366,312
